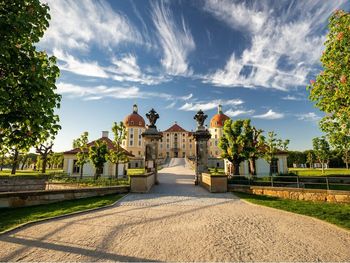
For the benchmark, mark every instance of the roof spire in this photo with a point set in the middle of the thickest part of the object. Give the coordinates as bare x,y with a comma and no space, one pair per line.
134,108
219,109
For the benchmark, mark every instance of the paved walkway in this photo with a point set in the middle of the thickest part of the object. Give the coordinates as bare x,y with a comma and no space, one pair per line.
178,221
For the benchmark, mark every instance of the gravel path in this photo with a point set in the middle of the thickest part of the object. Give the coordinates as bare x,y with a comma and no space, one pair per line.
178,221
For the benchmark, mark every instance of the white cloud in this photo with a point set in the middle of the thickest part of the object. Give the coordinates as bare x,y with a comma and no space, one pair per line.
78,24
74,65
285,42
171,105
270,115
291,97
124,69
101,91
310,116
195,106
235,113
176,40
127,69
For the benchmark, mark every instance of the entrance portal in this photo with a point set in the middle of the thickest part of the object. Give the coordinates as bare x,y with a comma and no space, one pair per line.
176,154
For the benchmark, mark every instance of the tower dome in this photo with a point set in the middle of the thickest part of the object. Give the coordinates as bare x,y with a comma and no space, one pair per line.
134,119
218,119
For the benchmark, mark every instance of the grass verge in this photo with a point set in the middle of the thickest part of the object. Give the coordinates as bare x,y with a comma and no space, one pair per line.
318,172
337,214
12,217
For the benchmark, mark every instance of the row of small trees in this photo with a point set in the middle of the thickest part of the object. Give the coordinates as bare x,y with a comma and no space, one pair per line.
241,141
54,160
98,153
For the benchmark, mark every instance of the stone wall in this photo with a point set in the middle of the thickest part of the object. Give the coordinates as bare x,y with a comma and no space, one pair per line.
30,198
214,184
142,183
331,196
20,183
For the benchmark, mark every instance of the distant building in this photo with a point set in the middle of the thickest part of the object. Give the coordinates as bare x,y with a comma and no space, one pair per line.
110,169
176,143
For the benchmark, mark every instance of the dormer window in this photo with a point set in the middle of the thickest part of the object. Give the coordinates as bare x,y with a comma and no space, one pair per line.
132,122
140,123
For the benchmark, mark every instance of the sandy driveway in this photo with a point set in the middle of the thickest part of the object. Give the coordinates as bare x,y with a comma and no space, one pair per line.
178,221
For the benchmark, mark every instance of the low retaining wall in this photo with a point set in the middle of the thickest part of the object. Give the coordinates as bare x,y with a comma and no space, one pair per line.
214,184
30,198
332,196
20,183
142,183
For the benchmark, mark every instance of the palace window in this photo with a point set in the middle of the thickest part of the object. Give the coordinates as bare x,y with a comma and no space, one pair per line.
132,123
139,153
183,140
183,135
76,168
167,140
216,143
167,146
190,146
139,143
184,146
167,154
130,143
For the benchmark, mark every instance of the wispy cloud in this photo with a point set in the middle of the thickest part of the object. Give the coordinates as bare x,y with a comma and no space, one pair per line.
74,65
285,42
124,69
195,106
235,113
81,24
176,40
291,97
310,116
101,91
270,115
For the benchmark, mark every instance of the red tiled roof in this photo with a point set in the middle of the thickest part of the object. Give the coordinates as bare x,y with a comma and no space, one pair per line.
109,143
134,119
218,120
175,128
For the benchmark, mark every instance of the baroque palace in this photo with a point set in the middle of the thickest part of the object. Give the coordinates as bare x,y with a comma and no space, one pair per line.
176,141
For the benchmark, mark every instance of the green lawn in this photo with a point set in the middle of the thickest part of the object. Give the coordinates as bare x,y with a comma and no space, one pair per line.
318,172
338,214
136,171
217,171
12,217
29,172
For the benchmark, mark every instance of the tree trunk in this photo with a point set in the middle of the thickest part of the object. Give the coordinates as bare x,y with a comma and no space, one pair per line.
14,163
43,168
252,165
81,171
322,165
98,172
236,168
24,162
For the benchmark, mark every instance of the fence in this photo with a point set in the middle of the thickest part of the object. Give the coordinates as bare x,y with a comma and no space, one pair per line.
306,182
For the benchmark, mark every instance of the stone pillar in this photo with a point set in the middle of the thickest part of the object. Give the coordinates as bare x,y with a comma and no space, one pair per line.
151,138
201,136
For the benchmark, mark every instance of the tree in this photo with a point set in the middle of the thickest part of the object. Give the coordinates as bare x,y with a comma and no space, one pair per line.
27,78
118,154
55,160
321,150
3,154
310,157
83,154
44,149
255,142
98,154
341,143
234,143
331,90
273,145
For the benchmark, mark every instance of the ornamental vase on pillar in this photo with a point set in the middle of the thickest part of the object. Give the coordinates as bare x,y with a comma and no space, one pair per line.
151,138
201,136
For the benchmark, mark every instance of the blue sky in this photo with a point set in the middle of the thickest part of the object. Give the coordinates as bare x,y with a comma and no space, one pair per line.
253,57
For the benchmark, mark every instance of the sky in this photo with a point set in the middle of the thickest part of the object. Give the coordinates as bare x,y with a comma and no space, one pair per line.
255,58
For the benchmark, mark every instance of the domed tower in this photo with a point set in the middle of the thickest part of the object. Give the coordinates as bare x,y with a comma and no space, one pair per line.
135,126
216,129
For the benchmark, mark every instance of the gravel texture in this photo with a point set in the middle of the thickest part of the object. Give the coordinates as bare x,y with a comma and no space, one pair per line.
178,221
